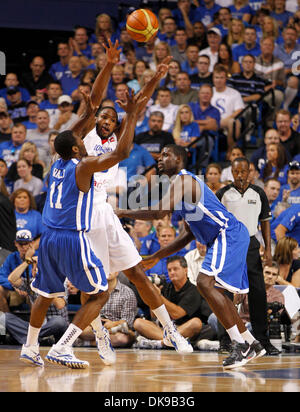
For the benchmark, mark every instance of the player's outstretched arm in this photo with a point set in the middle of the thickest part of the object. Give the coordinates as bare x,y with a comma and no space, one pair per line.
101,82
183,239
92,164
81,127
149,88
100,85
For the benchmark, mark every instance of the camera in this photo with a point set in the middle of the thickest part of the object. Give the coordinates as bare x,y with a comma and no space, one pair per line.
158,280
274,316
126,222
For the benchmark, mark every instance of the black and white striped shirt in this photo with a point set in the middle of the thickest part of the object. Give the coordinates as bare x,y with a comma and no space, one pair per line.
249,207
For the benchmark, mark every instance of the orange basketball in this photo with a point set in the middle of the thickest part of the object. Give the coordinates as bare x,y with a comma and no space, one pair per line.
142,25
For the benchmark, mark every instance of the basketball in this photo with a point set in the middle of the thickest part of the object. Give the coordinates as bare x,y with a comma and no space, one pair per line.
142,25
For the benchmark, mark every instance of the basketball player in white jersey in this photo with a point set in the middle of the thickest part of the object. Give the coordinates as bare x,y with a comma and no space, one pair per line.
108,239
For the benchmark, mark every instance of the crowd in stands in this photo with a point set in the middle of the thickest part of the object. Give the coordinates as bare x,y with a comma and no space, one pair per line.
235,63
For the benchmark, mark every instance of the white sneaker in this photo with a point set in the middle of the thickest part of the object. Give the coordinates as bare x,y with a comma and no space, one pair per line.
173,338
63,355
31,354
105,349
205,344
144,343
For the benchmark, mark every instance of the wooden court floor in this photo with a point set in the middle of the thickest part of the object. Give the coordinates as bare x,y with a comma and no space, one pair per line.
150,371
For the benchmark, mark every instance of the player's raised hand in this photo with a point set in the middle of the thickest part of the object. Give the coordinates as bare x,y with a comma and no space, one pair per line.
112,52
90,108
133,102
163,67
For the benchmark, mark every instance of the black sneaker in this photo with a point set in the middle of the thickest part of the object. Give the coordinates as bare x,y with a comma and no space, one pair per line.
258,349
270,349
225,347
241,353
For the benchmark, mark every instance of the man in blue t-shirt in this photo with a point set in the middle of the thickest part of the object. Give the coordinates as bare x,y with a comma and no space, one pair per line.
138,161
289,223
23,243
290,192
58,69
250,45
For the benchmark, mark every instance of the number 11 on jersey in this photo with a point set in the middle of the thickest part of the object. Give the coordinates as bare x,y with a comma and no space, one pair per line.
53,193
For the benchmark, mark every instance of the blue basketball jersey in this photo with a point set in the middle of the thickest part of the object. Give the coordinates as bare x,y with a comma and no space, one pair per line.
66,206
208,217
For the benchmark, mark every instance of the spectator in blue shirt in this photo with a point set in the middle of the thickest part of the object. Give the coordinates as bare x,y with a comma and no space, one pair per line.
289,223
190,64
23,243
241,10
205,13
290,192
81,38
169,30
11,80
58,69
138,161
184,7
280,13
225,18
276,161
250,45
9,150
165,236
54,91
26,215
71,80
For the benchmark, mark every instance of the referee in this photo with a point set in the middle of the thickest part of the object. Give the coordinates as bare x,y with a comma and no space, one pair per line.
249,204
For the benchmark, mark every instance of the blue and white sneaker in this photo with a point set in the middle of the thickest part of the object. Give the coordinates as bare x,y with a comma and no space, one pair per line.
173,338
63,355
105,349
31,355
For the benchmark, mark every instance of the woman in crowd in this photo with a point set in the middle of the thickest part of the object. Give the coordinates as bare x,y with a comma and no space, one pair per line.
27,180
287,253
235,34
161,51
30,153
276,160
213,176
26,215
225,58
170,79
138,70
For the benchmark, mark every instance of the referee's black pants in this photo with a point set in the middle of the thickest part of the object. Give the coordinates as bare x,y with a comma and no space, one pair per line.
257,292
256,297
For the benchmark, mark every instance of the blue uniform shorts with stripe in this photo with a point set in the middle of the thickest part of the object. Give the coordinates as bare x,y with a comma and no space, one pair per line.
67,254
226,258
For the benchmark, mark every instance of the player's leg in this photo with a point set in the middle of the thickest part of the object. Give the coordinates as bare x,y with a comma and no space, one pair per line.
62,352
30,351
227,314
152,298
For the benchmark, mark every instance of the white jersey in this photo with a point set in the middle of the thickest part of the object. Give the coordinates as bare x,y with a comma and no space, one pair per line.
95,147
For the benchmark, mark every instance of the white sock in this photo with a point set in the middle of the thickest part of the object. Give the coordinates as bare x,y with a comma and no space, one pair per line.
289,96
97,325
234,334
248,337
70,335
162,315
32,336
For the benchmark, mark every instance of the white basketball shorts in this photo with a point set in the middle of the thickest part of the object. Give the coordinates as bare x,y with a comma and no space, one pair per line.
109,241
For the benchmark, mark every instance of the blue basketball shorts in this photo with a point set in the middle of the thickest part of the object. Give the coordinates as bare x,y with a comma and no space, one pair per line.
226,259
67,254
